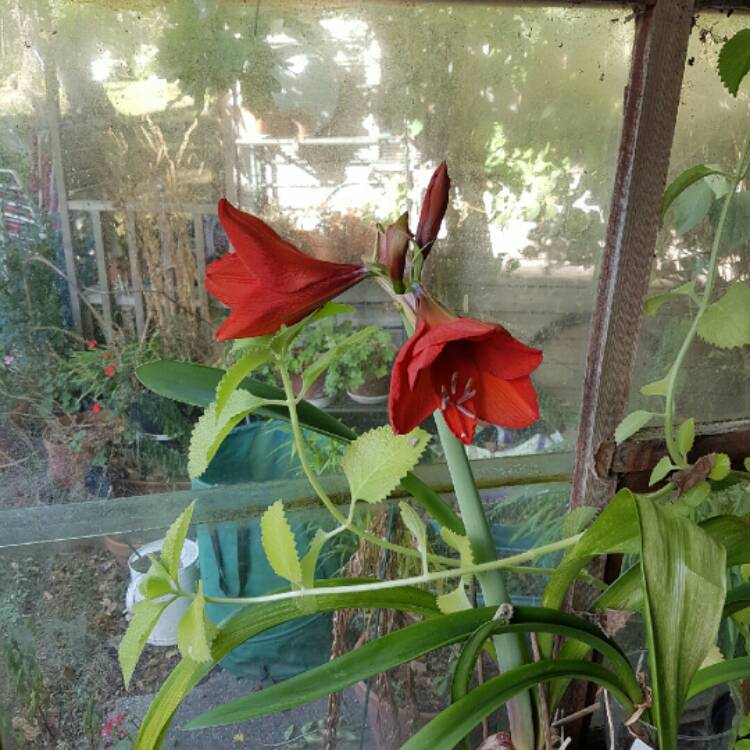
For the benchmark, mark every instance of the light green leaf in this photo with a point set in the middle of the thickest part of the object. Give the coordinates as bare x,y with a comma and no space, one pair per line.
416,526
686,437
460,543
195,632
310,560
240,346
697,495
726,322
657,388
742,745
237,373
315,370
211,429
145,616
154,587
635,421
683,181
734,60
684,580
283,339
377,460
653,304
454,601
691,207
279,545
578,519
662,468
721,468
746,463
174,540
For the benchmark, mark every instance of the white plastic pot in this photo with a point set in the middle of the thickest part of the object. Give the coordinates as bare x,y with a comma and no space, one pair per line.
165,631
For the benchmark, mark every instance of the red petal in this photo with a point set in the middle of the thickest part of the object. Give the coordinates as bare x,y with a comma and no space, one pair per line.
509,403
461,425
409,406
273,260
505,356
434,341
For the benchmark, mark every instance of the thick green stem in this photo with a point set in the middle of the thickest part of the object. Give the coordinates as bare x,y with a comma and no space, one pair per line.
510,648
674,452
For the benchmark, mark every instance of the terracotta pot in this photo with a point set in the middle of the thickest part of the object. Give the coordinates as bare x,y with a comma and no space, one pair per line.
316,393
372,392
119,550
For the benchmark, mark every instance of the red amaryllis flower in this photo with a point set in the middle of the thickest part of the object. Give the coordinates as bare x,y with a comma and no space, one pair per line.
434,206
268,282
468,369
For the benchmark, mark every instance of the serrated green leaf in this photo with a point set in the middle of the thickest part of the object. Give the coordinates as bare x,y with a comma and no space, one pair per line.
686,437
211,429
279,545
253,359
683,181
174,540
721,468
657,388
454,601
460,543
145,616
240,346
195,631
734,60
416,526
315,370
283,339
654,303
692,206
376,461
726,322
578,519
662,468
697,495
310,560
635,421
154,587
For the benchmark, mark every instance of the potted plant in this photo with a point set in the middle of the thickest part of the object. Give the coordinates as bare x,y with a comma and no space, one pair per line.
364,368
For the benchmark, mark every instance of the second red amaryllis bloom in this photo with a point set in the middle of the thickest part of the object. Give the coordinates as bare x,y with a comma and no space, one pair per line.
467,369
268,282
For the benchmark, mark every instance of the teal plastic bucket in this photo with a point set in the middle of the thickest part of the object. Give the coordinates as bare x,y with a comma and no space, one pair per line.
232,561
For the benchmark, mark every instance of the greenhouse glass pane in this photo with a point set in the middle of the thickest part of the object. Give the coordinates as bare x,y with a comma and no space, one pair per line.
711,126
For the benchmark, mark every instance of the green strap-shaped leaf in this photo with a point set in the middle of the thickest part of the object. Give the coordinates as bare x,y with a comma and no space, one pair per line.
376,461
683,181
446,730
253,620
232,378
174,540
145,616
279,545
726,322
731,670
684,580
737,599
734,60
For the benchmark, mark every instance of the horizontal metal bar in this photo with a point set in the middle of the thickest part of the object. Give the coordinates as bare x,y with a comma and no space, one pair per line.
155,205
25,527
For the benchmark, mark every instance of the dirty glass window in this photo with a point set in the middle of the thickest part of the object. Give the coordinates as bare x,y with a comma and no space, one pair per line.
121,125
709,131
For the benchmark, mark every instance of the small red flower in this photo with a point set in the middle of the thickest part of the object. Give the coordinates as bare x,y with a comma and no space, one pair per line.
468,369
96,407
268,282
109,371
434,206
91,343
